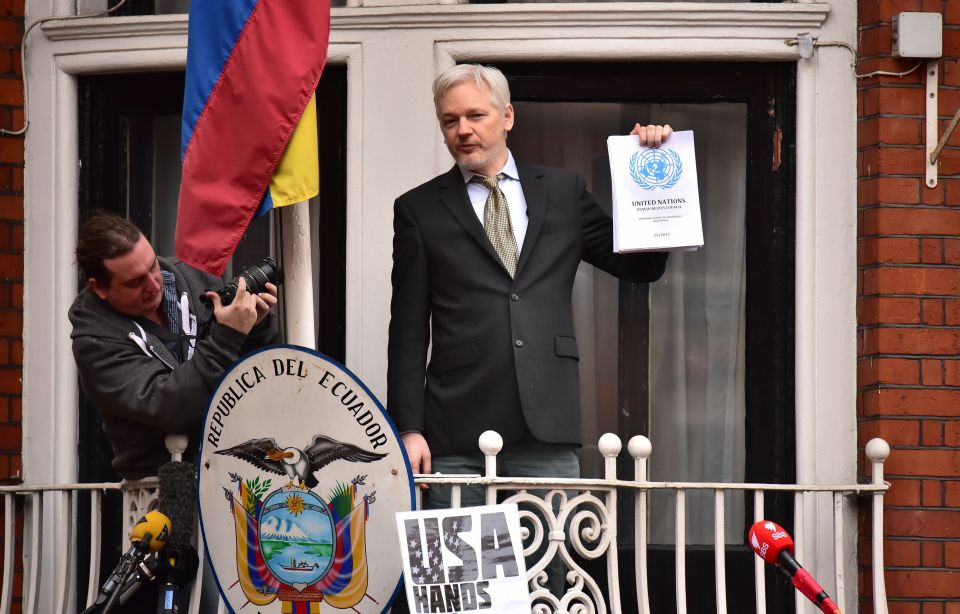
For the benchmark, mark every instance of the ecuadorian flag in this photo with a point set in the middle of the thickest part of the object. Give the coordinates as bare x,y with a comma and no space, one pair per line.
346,582
249,133
259,585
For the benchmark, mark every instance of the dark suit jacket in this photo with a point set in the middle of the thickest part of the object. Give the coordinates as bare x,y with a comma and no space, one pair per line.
504,355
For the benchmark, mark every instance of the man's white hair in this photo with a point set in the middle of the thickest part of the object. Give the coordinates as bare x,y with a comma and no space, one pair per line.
487,76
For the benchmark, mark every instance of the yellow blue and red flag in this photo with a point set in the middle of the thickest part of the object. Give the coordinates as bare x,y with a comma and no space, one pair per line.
346,582
259,585
249,133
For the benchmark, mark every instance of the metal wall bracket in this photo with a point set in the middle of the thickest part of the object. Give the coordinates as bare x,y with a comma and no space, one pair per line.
933,120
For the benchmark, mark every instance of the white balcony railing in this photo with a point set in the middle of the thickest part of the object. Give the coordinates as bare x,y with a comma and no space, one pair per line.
564,521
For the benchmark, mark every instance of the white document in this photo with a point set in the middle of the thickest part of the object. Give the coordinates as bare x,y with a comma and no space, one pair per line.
656,203
459,560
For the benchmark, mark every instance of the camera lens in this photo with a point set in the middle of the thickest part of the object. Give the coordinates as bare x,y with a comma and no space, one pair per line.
257,278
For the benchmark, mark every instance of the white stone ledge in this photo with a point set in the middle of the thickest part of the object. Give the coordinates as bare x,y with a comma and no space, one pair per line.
659,19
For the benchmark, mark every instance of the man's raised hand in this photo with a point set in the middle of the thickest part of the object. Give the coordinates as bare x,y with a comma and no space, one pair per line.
243,313
652,135
266,301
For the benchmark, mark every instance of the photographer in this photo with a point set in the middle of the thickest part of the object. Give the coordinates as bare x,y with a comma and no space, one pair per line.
148,351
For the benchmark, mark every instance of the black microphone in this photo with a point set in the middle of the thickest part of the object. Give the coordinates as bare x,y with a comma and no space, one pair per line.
148,535
178,485
178,562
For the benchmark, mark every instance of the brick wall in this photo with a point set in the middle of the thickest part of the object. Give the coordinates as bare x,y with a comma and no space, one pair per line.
909,310
11,263
11,241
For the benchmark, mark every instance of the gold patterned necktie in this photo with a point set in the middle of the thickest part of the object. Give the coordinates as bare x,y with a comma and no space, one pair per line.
496,222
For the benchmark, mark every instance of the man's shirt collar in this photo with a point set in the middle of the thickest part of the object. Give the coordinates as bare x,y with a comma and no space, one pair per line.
171,307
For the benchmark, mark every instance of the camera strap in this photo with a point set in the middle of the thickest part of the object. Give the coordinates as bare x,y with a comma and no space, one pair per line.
188,322
145,345
141,341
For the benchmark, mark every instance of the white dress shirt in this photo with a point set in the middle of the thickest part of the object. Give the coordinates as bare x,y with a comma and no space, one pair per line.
510,186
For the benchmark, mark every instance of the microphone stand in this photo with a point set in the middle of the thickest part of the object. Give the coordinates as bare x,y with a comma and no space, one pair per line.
142,573
124,587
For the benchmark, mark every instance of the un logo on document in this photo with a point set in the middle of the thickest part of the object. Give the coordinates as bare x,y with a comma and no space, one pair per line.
656,168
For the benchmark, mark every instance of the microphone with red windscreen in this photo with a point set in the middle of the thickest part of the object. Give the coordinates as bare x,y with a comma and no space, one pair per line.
775,546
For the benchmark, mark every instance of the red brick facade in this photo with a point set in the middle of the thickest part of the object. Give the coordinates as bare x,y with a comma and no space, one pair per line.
908,309
11,260
11,241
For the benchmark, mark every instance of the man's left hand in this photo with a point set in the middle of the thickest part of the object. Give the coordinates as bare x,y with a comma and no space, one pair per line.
266,301
652,135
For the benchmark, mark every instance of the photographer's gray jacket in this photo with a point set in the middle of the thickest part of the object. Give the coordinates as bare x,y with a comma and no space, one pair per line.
143,392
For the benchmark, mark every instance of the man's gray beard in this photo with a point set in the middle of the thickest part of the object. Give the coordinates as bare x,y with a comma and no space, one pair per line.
474,163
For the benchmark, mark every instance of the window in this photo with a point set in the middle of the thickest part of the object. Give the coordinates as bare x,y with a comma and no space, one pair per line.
701,361
130,165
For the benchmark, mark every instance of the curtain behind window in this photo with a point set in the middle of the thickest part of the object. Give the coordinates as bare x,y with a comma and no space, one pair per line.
697,324
697,315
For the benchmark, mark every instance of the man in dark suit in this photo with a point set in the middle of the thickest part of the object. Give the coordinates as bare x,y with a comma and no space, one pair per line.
484,267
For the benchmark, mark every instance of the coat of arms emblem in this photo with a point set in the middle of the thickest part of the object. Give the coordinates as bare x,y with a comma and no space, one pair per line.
291,526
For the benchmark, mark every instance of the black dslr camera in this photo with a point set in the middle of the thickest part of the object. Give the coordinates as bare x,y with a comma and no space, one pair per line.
257,276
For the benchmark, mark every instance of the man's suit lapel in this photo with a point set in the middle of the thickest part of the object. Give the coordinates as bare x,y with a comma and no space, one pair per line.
535,193
453,194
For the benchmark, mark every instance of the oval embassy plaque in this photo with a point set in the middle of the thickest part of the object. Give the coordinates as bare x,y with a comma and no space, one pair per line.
300,475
